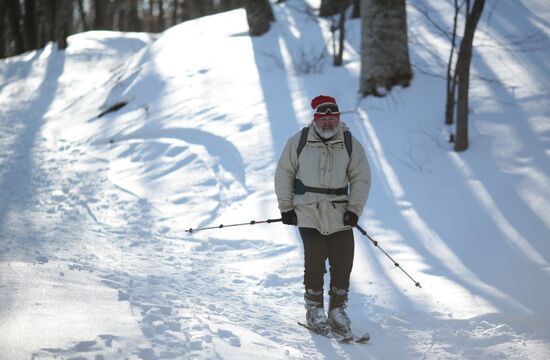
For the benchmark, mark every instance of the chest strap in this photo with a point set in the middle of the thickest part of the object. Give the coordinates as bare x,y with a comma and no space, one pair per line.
301,189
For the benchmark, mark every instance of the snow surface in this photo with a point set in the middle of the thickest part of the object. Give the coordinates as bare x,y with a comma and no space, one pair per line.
95,262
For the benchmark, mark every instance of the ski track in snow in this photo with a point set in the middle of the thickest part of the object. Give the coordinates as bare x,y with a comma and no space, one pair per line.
98,206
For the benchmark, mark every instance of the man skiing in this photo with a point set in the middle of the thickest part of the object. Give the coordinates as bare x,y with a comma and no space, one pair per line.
322,182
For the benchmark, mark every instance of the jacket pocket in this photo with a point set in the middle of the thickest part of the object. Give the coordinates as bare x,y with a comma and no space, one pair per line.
308,214
336,211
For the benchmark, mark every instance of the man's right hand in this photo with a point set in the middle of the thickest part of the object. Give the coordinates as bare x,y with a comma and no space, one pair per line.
289,217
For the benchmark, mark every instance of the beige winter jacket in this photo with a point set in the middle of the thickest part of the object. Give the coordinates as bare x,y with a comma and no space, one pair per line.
323,165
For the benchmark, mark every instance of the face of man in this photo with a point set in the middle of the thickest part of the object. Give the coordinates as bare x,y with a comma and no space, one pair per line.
327,126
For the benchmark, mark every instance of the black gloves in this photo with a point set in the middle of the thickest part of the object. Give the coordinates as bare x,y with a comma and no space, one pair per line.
350,218
289,217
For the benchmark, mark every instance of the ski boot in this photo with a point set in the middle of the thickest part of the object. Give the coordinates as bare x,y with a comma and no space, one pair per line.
315,312
337,317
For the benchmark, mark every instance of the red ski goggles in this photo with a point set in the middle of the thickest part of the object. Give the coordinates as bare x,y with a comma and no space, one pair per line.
324,109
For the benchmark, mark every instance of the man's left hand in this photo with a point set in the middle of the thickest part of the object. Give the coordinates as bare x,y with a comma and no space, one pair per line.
350,218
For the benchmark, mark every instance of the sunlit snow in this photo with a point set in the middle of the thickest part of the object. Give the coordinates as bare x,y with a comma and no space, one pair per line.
95,261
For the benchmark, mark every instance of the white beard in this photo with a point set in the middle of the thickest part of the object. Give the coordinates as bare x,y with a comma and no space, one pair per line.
324,133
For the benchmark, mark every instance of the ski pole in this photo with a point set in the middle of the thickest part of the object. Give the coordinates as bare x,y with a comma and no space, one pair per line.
253,222
416,283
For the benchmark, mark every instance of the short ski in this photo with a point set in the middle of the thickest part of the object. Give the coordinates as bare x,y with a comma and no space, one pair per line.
340,338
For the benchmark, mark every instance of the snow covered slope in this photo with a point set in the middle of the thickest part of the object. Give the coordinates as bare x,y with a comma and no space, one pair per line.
94,258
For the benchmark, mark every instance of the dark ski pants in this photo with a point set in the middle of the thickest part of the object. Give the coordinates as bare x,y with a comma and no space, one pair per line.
338,248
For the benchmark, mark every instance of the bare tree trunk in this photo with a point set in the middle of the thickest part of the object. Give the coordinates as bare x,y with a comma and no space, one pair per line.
175,9
3,30
30,24
161,23
187,10
384,47
329,8
151,7
226,5
149,21
14,17
451,75
43,22
259,16
200,7
208,7
62,23
82,14
104,15
463,72
339,57
50,17
110,15
100,14
134,22
122,20
235,4
356,13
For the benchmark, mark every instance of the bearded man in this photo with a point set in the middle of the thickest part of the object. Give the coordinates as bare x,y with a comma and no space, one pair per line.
322,182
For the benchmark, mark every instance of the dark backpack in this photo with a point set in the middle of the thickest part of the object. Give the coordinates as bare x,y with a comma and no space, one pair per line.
303,141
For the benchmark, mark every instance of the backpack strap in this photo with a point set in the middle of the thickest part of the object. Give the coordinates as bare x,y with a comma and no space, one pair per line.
303,140
347,142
